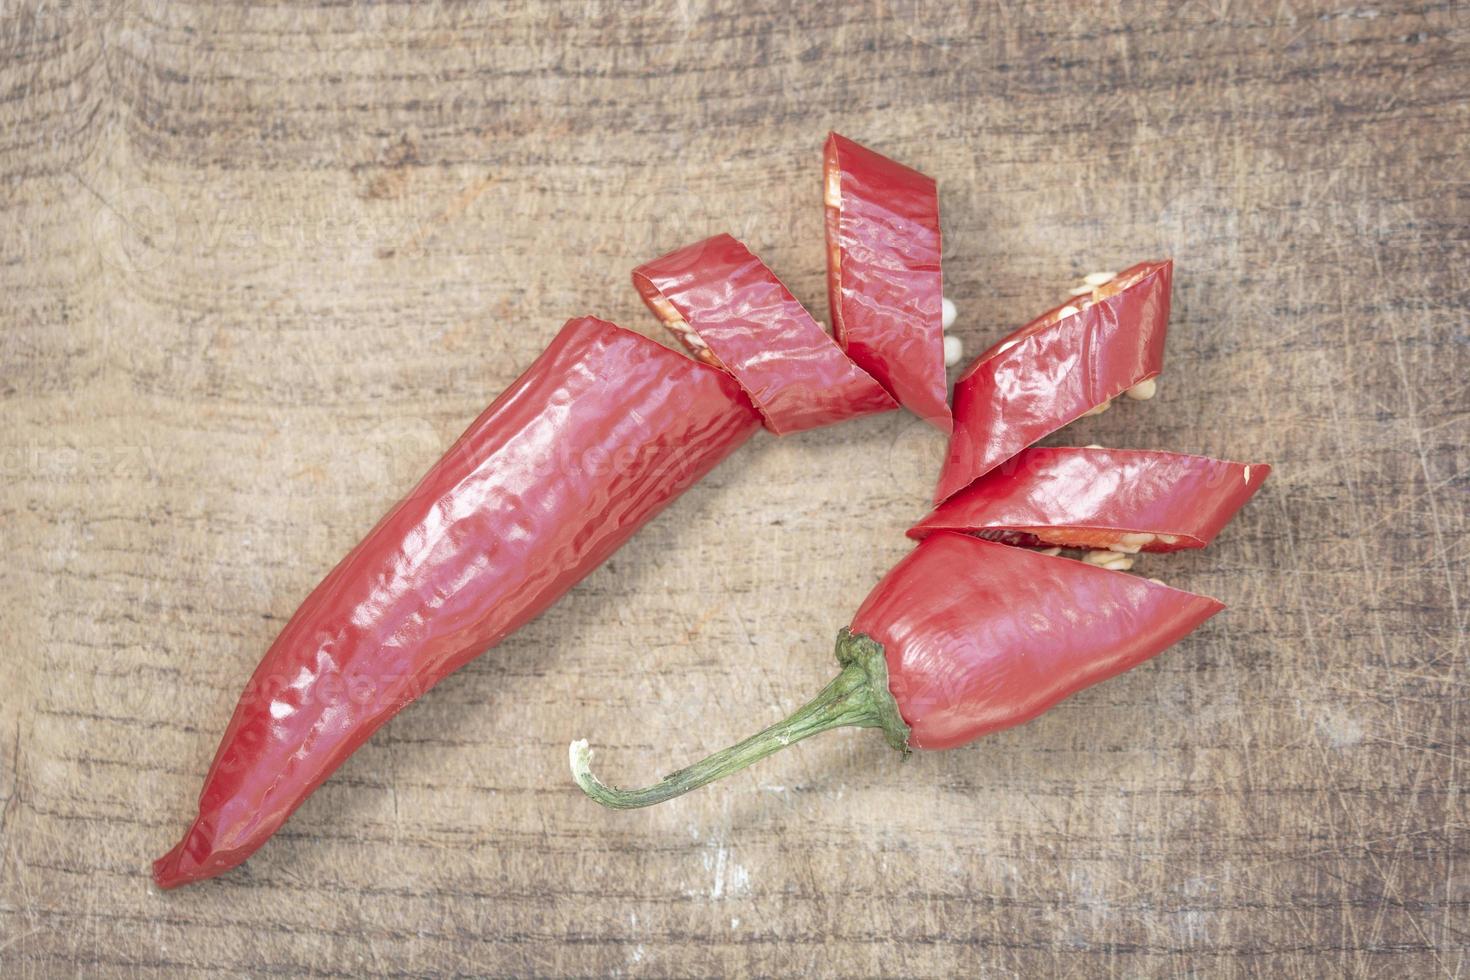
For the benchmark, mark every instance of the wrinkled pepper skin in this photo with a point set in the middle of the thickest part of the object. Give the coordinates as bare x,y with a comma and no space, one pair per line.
980,636
598,435
1072,496
717,297
1056,369
884,283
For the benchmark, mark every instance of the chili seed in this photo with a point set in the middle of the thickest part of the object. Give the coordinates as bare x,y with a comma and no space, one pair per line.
1142,391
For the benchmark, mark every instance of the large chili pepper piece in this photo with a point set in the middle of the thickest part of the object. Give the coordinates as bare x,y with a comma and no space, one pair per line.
884,284
1049,628
1066,363
603,430
962,638
1126,500
729,309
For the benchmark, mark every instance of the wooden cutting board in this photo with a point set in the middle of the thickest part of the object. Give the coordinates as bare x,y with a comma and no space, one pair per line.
261,263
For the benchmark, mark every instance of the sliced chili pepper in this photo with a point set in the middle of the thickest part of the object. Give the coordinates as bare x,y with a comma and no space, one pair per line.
602,431
962,638
729,309
884,283
1057,368
1126,500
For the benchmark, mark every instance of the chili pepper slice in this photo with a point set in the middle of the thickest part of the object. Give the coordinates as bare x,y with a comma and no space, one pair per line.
961,638
594,439
884,283
1057,368
729,309
1125,500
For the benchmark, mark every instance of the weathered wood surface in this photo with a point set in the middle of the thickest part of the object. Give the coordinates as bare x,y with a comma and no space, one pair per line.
262,262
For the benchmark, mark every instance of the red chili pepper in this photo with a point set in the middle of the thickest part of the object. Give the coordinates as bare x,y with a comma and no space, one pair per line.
730,310
884,284
603,430
1124,499
1057,368
962,638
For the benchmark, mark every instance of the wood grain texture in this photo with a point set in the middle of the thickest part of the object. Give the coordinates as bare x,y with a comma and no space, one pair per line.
259,263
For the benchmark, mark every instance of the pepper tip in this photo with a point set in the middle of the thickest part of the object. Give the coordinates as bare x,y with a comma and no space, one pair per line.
194,858
166,871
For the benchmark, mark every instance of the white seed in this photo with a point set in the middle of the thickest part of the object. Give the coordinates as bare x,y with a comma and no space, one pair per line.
1142,391
1159,581
948,314
1099,278
1108,559
1097,410
1067,311
1006,345
1247,474
1093,445
1168,539
1131,542
1121,563
1049,551
954,350
1079,291
833,192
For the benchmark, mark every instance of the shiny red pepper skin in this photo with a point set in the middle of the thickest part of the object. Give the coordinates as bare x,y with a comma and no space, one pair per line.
884,283
1054,370
1182,500
594,439
979,636
748,320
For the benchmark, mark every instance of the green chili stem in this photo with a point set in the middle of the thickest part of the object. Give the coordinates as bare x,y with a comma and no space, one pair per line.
858,697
